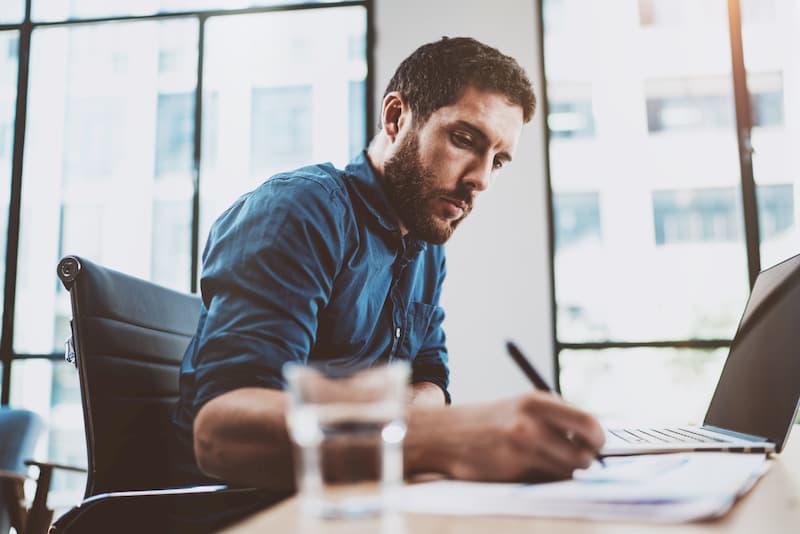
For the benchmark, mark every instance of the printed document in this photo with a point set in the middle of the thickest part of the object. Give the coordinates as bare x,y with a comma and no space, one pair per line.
654,488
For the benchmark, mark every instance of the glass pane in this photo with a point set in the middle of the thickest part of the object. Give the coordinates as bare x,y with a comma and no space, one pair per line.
644,170
281,90
108,162
669,386
12,11
774,83
9,52
51,389
49,10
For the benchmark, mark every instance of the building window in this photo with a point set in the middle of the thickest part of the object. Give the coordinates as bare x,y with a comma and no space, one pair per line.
356,135
281,128
697,216
766,98
775,210
570,119
576,218
689,104
174,133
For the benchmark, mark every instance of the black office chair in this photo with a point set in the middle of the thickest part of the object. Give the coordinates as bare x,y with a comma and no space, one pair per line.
128,338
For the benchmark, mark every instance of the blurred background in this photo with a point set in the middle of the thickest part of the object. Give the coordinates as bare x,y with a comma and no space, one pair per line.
618,248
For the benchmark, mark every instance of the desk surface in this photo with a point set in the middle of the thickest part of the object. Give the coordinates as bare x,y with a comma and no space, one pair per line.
771,507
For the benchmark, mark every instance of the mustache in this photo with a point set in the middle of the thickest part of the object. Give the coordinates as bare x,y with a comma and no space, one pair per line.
460,194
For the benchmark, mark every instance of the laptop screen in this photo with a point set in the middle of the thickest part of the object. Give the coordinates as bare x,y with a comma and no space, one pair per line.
759,388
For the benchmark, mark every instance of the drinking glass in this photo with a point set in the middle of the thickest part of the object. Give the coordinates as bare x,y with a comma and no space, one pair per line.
348,429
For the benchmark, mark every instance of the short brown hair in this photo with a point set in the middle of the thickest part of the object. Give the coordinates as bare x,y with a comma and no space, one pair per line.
436,74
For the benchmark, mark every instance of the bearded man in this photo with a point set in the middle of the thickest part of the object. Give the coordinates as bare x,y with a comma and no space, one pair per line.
345,267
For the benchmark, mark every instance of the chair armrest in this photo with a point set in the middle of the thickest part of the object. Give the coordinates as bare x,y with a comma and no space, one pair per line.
13,498
163,510
39,515
51,465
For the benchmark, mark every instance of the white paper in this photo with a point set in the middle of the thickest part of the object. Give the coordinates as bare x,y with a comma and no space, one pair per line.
656,488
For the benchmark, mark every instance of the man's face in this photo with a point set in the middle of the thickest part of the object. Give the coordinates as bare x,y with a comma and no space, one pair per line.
438,169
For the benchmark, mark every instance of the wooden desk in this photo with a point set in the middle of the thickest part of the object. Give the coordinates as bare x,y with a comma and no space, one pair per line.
771,507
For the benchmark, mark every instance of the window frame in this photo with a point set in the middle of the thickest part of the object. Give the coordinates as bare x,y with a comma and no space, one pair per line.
744,126
26,28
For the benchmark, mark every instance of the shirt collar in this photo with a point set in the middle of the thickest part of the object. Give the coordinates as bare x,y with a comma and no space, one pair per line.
370,191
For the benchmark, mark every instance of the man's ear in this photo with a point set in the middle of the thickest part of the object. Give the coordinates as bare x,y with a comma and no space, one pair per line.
394,113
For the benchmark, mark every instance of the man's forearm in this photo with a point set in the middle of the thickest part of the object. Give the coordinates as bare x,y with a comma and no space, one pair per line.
427,394
241,437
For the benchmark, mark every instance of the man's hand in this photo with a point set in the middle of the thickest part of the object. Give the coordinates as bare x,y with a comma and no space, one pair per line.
536,436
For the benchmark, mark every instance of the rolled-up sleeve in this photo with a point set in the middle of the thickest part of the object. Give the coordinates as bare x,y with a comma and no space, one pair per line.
269,267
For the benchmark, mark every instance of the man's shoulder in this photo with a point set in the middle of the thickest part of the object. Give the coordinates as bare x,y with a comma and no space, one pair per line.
319,179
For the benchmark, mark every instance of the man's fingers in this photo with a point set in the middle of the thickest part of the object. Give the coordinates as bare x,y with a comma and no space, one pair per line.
564,452
581,427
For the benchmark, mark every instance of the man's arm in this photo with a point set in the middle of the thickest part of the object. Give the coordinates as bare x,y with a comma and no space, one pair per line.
427,394
241,437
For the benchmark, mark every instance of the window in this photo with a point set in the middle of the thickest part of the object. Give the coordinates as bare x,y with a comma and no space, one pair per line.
357,118
174,134
292,104
570,118
689,104
281,128
651,258
766,98
576,218
674,13
109,169
776,209
11,11
697,216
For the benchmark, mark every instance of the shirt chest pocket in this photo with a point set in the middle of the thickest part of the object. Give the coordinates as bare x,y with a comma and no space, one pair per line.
419,318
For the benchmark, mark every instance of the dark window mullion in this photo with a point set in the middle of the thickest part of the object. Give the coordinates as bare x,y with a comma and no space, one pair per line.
542,104
12,240
369,93
743,130
198,152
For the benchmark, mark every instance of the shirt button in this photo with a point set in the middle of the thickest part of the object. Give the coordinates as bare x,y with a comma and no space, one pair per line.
397,332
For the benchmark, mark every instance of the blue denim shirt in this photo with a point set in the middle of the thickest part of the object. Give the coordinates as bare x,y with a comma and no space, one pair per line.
312,266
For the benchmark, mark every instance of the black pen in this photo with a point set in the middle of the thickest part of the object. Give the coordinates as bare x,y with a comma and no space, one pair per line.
535,378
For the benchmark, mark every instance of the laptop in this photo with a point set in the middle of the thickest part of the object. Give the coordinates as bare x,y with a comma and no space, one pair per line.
757,396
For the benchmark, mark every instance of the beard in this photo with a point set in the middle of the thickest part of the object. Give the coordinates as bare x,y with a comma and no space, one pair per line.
411,189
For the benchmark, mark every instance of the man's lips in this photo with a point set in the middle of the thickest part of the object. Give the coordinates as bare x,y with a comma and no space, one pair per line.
454,207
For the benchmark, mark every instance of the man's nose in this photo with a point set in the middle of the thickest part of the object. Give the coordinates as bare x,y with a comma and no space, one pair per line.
480,177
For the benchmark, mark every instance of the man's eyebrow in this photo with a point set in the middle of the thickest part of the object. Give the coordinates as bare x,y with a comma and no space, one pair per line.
477,132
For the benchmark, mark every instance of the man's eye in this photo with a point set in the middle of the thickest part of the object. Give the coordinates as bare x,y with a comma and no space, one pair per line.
498,164
461,140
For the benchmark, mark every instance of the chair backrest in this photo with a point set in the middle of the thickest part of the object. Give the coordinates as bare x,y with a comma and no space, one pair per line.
129,337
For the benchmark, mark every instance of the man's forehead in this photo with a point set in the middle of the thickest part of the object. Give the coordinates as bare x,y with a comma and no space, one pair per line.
490,112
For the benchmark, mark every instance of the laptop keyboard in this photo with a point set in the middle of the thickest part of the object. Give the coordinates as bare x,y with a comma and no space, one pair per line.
665,435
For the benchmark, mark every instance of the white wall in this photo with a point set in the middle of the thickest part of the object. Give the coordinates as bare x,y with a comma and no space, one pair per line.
498,284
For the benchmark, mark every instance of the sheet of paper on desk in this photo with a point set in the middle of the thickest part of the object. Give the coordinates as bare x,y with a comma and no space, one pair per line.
654,488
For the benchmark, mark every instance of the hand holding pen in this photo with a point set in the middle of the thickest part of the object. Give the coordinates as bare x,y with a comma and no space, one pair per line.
536,379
